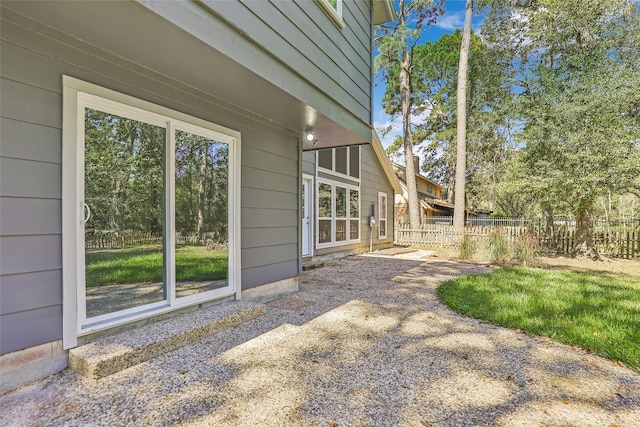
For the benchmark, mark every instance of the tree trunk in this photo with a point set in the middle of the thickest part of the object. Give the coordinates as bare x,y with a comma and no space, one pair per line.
461,145
122,182
405,96
585,243
547,227
201,193
452,182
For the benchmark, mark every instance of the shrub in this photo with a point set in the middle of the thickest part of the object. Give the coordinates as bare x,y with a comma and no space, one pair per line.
468,248
498,214
525,249
498,247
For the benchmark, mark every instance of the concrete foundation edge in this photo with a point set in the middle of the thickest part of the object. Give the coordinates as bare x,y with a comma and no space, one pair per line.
31,364
270,291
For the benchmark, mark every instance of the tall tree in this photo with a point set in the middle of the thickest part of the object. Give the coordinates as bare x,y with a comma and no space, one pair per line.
461,140
395,42
576,75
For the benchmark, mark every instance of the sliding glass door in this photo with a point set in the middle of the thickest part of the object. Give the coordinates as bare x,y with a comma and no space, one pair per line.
156,209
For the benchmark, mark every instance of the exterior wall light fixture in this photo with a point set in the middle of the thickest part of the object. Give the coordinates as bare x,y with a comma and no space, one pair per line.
310,136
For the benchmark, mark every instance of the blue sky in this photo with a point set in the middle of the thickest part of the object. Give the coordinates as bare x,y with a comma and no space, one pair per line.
452,19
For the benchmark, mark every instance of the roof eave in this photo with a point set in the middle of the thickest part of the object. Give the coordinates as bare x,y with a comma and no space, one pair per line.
385,162
383,11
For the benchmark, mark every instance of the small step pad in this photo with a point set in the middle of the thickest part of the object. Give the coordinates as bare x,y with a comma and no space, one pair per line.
312,265
114,353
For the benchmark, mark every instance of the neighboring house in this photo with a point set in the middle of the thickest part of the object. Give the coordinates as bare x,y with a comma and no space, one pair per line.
344,188
166,132
430,194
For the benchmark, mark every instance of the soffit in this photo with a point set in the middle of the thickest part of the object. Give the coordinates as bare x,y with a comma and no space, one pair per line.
132,32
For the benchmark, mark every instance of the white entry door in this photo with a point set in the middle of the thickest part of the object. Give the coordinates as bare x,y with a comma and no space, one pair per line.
307,215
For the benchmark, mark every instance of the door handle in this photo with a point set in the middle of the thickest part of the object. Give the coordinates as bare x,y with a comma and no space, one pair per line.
86,212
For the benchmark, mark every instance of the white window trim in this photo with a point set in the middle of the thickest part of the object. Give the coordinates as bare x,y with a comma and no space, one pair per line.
335,14
77,95
382,233
312,207
333,218
333,163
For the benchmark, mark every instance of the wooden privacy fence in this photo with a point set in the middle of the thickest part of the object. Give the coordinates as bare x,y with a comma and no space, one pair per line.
445,236
618,244
614,244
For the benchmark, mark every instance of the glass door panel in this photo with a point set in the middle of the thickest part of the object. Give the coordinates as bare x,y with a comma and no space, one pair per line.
201,214
124,213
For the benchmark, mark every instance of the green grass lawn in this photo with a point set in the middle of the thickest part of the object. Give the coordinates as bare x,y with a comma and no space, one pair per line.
597,311
143,264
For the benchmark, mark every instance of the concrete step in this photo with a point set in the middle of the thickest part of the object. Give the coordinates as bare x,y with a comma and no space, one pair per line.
113,353
306,266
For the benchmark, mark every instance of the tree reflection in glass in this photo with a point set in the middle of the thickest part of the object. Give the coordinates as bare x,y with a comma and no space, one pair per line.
201,215
124,190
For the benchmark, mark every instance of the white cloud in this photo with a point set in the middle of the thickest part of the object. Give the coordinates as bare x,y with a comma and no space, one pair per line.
451,21
395,125
396,129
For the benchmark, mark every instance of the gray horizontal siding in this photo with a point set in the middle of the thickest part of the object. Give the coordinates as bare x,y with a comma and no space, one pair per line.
28,216
309,162
31,104
26,178
30,291
29,328
31,170
26,254
376,180
266,237
373,180
267,199
29,141
266,274
288,30
269,218
257,257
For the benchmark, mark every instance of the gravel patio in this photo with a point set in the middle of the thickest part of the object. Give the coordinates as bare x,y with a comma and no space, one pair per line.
365,342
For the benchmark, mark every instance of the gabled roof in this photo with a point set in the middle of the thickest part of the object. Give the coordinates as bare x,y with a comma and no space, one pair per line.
381,154
422,177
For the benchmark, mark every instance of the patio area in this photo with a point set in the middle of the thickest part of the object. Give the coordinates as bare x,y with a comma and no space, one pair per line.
364,342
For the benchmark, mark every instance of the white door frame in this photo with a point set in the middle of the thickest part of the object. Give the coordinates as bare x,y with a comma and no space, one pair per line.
78,95
307,219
